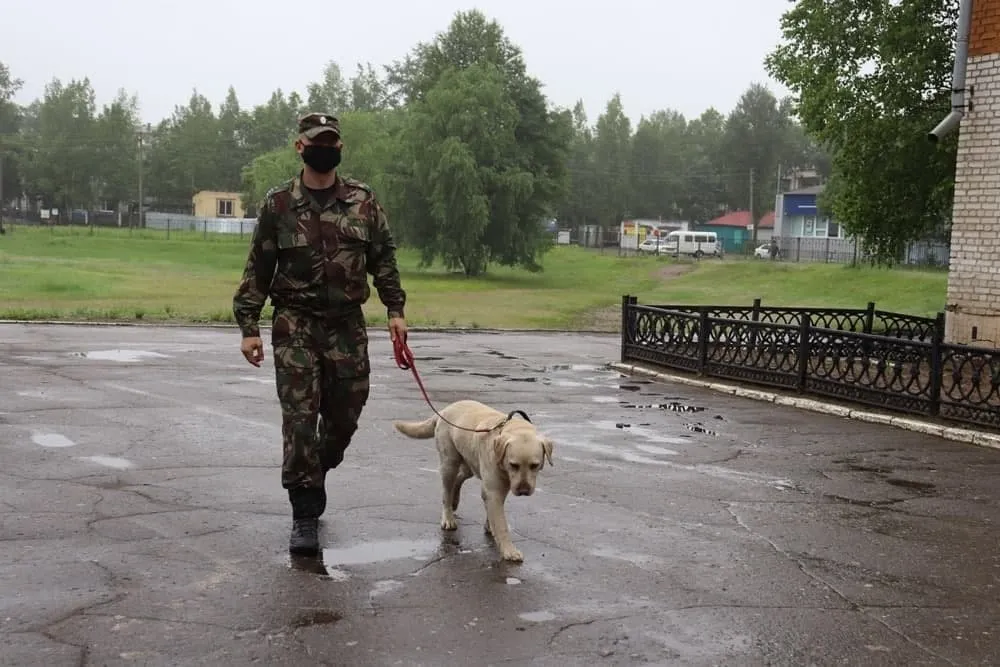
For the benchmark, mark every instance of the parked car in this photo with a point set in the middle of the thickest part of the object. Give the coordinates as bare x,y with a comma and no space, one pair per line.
654,245
763,251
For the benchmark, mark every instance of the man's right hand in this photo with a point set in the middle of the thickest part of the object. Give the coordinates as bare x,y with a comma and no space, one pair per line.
253,349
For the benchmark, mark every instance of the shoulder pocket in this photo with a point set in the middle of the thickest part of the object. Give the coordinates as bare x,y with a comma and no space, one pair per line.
287,240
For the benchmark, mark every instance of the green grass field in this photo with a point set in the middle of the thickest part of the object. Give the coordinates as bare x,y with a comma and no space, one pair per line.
112,274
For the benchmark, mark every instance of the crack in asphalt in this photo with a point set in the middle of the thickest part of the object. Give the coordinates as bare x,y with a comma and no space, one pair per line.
590,621
854,606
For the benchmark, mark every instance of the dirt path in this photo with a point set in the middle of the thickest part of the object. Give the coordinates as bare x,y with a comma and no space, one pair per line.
610,317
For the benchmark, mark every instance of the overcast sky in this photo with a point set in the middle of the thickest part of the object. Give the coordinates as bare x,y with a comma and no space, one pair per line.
658,54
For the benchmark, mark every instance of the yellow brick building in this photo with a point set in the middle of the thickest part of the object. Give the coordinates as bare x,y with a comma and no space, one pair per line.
213,204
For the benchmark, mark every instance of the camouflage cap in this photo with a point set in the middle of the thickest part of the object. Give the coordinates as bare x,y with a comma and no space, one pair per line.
314,124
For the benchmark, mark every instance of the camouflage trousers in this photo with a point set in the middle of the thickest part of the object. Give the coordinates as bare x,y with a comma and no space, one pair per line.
322,375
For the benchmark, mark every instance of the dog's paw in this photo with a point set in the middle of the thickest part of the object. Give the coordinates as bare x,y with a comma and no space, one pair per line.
486,528
512,555
449,523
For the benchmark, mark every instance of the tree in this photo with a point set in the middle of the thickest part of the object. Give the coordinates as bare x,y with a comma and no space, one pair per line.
612,155
869,78
659,159
186,154
704,185
10,124
331,95
756,139
115,151
369,92
60,167
579,203
234,154
472,103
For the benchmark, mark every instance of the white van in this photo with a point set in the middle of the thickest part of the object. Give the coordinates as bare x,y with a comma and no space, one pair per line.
696,244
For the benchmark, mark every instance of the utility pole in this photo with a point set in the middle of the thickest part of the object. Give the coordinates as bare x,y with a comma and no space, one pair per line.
753,221
2,230
142,136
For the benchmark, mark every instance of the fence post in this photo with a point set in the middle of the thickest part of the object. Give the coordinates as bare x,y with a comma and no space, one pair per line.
805,326
627,300
798,248
754,317
869,318
704,331
168,229
205,228
937,365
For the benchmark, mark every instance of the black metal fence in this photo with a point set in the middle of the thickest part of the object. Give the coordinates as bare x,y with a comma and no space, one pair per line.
877,358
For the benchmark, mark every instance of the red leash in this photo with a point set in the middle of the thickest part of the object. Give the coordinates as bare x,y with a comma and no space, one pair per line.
405,361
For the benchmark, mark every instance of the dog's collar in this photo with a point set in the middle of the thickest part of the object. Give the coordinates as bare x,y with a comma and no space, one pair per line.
510,416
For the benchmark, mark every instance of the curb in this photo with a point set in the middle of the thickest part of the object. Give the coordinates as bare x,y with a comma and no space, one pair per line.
957,434
219,325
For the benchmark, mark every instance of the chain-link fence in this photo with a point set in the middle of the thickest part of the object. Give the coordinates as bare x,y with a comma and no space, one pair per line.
790,249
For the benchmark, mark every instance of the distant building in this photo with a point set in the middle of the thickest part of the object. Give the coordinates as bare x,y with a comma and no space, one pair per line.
634,231
213,204
799,216
735,230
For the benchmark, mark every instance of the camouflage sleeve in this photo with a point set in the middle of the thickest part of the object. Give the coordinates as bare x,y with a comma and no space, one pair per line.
381,264
257,274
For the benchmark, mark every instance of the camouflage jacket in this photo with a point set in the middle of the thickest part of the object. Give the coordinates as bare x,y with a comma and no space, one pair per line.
315,259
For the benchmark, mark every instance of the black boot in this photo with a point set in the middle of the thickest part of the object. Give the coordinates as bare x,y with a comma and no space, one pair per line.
307,506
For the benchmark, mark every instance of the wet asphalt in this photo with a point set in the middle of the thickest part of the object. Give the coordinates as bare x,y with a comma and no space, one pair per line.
142,520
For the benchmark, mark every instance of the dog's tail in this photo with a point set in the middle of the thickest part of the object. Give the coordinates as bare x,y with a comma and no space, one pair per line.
421,430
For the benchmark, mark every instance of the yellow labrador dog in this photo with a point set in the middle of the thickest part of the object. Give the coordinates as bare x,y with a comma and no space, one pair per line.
505,458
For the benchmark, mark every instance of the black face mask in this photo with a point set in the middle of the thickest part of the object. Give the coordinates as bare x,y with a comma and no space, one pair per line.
323,159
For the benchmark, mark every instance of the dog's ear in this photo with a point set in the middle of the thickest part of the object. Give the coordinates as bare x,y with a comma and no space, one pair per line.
547,446
500,445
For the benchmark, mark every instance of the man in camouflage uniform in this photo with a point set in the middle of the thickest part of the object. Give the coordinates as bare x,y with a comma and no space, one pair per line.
317,237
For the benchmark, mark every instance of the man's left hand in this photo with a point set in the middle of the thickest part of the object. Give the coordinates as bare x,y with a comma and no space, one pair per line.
397,329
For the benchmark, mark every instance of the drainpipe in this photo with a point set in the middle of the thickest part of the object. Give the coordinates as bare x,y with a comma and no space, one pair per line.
950,122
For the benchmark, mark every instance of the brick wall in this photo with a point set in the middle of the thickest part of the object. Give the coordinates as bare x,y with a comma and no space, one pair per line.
984,36
974,276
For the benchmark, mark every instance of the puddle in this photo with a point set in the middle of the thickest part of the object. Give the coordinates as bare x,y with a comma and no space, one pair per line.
383,587
633,558
522,379
911,484
605,399
630,387
313,617
578,368
32,394
501,355
428,358
673,407
880,470
380,552
51,440
645,433
569,384
492,376
698,428
123,356
513,581
451,370
653,449
109,462
537,616
263,380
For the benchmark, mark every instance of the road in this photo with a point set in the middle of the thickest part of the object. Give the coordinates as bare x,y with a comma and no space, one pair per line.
143,521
